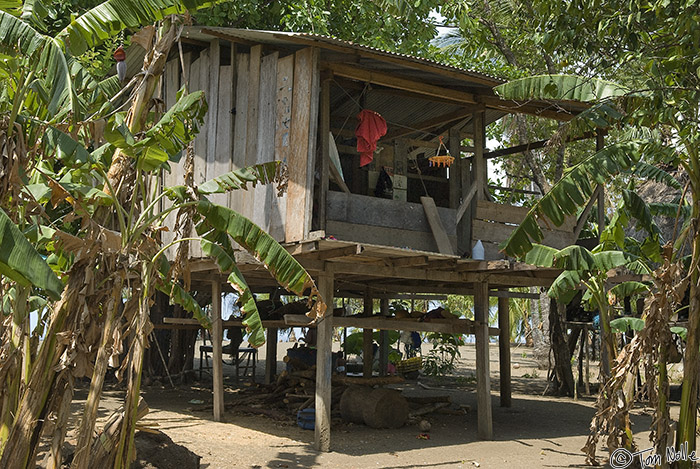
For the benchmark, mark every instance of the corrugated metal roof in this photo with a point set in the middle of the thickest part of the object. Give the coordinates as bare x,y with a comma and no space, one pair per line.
285,37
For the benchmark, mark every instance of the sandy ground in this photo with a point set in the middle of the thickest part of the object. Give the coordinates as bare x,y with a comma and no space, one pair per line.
537,431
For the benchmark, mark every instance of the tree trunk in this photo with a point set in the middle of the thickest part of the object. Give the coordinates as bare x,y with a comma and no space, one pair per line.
540,331
564,377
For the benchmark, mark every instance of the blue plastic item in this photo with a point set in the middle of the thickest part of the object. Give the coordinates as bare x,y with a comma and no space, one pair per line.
306,418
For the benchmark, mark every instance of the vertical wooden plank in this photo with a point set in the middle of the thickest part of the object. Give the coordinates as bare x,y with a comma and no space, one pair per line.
199,81
240,127
455,176
367,339
383,339
222,157
283,120
253,103
213,98
265,195
312,139
464,227
324,130
216,338
271,355
298,157
483,375
478,161
324,336
504,350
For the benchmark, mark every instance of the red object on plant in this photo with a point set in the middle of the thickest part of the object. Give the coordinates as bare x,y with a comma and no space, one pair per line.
370,128
119,54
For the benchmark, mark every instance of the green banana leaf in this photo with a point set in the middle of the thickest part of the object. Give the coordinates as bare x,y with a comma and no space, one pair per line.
572,192
626,324
45,54
20,262
625,289
113,16
179,295
654,173
265,173
561,88
225,259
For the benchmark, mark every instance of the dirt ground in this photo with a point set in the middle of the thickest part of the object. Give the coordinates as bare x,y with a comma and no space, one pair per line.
537,431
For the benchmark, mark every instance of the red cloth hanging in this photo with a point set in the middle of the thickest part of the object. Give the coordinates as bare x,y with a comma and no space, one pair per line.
370,128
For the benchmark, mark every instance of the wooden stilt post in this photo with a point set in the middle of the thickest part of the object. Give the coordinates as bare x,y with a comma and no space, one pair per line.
217,334
324,337
504,350
483,375
367,340
383,339
271,355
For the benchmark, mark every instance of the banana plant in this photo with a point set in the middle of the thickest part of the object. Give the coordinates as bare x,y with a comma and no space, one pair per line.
667,107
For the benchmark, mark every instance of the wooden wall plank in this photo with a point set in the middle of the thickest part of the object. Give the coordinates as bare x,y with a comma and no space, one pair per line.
383,236
169,178
238,198
198,81
298,158
314,96
222,155
267,115
283,120
253,103
213,101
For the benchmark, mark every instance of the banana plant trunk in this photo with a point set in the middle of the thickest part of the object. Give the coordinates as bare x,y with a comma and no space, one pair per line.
687,421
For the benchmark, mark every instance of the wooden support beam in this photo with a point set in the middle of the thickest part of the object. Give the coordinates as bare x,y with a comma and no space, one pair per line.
466,202
504,350
383,339
408,261
217,334
531,146
339,252
367,339
392,81
483,374
447,326
455,178
324,369
271,355
325,134
479,163
439,233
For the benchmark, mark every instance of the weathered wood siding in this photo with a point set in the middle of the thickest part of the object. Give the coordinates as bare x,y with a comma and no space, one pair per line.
261,108
495,222
353,217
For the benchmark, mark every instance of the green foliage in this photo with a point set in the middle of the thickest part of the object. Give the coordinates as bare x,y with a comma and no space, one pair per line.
441,359
561,88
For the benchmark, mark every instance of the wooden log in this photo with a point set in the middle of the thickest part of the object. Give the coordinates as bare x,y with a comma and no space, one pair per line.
380,381
385,408
428,399
352,401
